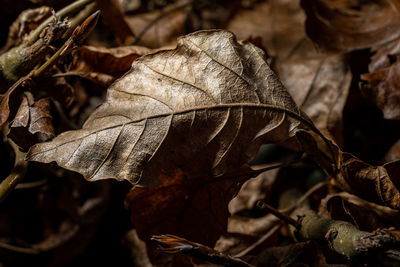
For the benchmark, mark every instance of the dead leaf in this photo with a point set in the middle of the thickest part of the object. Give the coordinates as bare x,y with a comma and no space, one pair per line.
381,84
195,209
343,26
378,184
94,63
32,123
212,101
319,84
114,16
278,22
27,21
365,215
160,27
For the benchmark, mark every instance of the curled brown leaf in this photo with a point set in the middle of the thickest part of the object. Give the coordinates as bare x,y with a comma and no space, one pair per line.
212,101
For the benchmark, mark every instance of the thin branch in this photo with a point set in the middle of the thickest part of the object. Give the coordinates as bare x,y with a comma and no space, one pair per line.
17,173
277,213
72,8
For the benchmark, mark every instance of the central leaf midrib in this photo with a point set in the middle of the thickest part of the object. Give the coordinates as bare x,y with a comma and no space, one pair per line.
292,114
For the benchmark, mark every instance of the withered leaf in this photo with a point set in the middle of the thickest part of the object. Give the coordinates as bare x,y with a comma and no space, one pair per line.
160,27
195,209
32,123
365,215
381,84
94,63
342,26
204,107
378,184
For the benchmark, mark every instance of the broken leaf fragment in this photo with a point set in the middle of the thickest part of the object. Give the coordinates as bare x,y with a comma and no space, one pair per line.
204,107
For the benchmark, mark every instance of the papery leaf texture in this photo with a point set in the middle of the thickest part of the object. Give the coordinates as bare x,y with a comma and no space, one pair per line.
203,107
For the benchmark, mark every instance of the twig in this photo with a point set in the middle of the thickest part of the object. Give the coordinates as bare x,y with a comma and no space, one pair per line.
175,244
277,213
163,15
259,241
79,34
34,35
17,173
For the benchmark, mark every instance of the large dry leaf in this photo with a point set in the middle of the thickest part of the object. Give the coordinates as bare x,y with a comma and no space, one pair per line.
346,25
205,107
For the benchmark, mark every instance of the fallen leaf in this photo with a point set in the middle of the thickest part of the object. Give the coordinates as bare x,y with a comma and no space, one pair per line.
278,22
365,215
160,27
319,84
381,84
212,101
378,184
32,123
27,21
114,16
343,26
195,209
94,62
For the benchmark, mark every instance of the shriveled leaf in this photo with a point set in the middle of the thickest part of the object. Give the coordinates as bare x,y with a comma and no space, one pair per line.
381,84
342,26
204,107
10,100
378,184
32,123
365,215
94,62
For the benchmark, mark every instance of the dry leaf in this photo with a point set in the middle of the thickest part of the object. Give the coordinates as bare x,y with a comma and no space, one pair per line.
381,84
365,215
27,21
32,123
114,16
95,62
278,22
192,208
342,26
160,27
378,184
319,84
206,106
